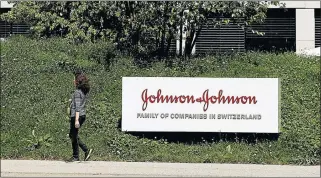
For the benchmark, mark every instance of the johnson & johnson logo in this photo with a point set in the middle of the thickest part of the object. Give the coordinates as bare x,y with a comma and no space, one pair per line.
181,99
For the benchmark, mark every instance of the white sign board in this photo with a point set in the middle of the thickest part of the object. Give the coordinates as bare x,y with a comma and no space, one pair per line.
173,104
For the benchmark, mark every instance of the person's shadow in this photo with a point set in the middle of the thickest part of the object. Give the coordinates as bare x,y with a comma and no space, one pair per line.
67,160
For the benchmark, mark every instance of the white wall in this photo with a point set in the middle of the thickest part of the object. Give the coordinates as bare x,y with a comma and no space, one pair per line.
5,4
300,4
305,29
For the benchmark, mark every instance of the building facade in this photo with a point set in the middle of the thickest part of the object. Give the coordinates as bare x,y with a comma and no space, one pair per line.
295,28
307,23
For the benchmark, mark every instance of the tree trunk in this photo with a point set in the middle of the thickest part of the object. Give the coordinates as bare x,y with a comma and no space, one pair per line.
157,40
164,30
169,40
181,36
190,43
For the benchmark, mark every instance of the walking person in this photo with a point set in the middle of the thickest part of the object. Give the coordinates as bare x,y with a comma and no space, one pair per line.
78,115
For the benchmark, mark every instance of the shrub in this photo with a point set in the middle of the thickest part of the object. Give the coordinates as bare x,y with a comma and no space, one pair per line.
102,52
35,86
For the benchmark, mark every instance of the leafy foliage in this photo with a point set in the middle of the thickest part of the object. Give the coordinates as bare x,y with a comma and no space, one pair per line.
37,142
144,28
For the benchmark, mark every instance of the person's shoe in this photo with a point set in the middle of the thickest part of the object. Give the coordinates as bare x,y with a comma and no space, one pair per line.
73,159
87,154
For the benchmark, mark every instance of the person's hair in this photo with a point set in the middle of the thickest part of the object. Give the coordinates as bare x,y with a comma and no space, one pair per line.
82,82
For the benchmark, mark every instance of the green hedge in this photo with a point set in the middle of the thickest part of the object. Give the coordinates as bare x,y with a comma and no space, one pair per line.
36,80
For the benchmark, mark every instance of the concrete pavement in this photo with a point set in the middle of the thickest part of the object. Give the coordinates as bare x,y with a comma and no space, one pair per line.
31,168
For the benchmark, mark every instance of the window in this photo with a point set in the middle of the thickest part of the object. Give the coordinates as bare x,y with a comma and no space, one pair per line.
279,28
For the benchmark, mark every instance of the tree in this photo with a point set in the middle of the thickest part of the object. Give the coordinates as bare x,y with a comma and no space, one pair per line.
142,27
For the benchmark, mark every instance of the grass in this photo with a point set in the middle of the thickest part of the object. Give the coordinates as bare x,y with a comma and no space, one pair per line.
36,80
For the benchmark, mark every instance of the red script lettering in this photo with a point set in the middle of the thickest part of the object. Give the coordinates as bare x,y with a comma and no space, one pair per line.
206,98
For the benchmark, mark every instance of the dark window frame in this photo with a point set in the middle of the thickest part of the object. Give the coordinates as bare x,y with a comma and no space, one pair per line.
317,33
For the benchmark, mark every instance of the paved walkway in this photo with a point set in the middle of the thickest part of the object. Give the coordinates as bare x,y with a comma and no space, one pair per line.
30,168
